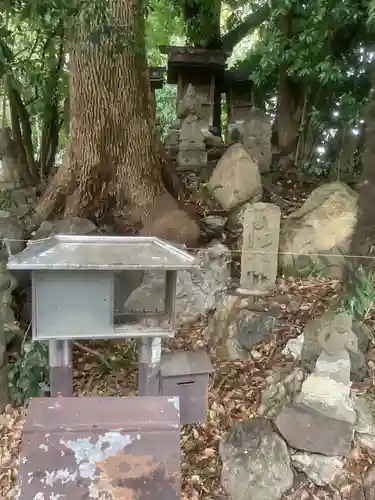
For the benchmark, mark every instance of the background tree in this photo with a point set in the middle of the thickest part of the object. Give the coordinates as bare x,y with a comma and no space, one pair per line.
310,64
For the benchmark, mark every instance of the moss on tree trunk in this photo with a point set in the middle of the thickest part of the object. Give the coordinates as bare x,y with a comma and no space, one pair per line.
112,161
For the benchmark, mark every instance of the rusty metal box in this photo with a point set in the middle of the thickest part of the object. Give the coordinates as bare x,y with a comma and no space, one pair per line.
100,447
186,374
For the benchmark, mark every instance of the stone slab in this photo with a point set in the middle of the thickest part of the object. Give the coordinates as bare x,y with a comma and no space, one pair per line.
259,259
305,429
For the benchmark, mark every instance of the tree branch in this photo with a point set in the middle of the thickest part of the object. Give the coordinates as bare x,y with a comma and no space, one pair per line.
252,21
50,129
24,120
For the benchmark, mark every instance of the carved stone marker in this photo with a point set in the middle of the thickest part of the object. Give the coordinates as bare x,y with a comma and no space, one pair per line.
261,228
254,134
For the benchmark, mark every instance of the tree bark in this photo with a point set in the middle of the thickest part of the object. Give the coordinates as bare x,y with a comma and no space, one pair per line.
363,240
289,114
112,158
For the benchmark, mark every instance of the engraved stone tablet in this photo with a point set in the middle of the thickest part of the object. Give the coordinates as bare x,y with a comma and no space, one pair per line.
261,229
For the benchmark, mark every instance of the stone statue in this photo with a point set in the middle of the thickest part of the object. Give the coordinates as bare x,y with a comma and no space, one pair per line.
337,335
192,147
336,340
190,103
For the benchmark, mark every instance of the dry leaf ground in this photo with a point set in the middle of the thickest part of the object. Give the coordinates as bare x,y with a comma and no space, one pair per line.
234,395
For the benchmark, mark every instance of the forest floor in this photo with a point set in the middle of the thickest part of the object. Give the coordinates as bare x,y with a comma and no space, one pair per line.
234,393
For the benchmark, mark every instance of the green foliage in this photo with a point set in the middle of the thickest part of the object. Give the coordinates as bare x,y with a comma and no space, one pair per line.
164,25
371,14
122,359
28,376
166,107
320,46
360,298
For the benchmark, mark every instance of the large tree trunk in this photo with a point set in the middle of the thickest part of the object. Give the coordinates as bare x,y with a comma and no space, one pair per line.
289,114
363,240
112,161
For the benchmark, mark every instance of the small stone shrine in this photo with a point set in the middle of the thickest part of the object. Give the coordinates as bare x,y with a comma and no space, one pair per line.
259,259
203,68
239,91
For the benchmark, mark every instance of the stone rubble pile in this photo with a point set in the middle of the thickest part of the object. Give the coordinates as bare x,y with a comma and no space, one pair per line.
317,420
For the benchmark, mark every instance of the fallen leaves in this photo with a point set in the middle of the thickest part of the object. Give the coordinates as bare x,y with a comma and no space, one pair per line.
234,395
11,428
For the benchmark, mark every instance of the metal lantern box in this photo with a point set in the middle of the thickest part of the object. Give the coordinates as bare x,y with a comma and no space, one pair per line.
100,447
186,374
73,285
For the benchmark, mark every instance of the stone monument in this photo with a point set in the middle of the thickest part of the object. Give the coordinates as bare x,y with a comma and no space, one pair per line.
254,134
192,148
204,68
259,259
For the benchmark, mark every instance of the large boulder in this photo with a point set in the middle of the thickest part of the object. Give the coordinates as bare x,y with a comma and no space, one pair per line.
256,463
239,323
316,237
197,292
236,178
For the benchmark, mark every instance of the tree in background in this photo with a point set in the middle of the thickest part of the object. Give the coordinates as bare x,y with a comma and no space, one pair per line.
112,165
310,59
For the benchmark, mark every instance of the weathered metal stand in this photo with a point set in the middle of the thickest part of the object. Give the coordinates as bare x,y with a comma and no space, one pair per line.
149,367
150,354
60,367
74,287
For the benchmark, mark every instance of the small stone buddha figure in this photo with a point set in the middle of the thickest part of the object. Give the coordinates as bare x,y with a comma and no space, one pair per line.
338,335
337,339
189,104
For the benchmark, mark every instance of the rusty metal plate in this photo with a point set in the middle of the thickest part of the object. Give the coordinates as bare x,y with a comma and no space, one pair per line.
103,448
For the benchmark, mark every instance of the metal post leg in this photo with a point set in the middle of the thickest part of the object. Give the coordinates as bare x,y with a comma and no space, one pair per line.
60,368
170,295
149,367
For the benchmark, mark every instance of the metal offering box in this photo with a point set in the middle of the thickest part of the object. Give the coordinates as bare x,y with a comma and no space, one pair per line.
100,447
73,292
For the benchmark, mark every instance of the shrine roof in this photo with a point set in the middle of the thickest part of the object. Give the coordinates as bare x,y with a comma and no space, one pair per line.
180,59
108,253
